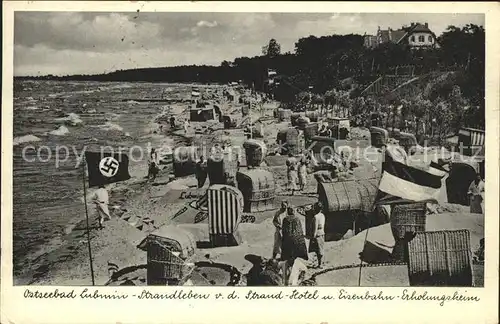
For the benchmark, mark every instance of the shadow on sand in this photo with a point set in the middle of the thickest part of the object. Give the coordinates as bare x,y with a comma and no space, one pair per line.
374,254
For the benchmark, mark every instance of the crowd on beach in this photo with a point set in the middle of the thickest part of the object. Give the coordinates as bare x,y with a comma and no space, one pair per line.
293,245
290,252
298,168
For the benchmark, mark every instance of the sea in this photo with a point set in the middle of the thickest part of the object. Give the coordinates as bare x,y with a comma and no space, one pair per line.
53,123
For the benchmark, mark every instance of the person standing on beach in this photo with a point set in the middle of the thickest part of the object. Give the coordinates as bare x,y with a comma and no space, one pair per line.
153,164
303,172
317,242
476,195
201,172
293,243
291,164
172,122
101,201
301,139
186,126
278,224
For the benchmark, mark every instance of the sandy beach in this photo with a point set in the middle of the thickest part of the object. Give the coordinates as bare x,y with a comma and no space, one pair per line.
118,261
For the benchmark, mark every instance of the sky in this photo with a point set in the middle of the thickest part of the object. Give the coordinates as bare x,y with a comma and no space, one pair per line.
63,43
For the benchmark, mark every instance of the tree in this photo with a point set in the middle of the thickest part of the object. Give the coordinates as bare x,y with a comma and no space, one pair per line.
420,108
458,108
271,50
465,47
441,117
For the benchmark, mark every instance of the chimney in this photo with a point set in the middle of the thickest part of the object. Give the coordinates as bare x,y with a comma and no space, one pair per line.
426,25
412,24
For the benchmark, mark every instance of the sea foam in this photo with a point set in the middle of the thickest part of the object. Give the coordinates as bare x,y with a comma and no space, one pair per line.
25,139
62,130
111,127
72,119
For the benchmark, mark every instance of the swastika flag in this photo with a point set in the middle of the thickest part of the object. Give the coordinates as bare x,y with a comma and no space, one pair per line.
105,168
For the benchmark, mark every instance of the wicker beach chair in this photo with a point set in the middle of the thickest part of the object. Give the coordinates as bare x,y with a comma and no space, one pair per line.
440,258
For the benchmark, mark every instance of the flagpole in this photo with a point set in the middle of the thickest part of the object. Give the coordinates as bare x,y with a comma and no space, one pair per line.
361,259
88,226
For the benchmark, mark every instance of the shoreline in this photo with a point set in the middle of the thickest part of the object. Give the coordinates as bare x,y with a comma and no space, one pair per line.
63,247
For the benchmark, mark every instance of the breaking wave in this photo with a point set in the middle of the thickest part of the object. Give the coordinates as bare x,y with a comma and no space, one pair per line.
25,139
72,119
32,108
61,131
111,127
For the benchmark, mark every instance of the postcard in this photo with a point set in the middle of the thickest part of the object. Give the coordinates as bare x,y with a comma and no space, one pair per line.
250,162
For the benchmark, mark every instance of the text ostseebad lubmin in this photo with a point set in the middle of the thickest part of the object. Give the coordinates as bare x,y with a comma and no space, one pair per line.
407,295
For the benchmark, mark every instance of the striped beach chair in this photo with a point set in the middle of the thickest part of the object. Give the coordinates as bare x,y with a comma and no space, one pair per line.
224,208
472,139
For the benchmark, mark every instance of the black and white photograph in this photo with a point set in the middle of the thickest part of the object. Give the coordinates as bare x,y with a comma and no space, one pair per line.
249,149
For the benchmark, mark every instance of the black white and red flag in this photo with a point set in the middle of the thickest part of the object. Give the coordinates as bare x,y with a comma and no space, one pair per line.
401,183
105,168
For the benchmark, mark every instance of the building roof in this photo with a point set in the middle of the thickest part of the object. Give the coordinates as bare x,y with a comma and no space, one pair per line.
390,35
417,28
397,35
384,36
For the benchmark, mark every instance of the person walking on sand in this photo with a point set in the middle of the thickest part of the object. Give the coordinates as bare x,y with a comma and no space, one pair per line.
186,126
476,195
293,243
291,164
101,201
317,242
303,172
201,172
153,165
278,224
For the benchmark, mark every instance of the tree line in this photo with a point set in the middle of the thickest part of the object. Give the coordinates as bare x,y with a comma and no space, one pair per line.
326,66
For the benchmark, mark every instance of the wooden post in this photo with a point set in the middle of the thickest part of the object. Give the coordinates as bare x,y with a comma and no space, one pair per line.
88,226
